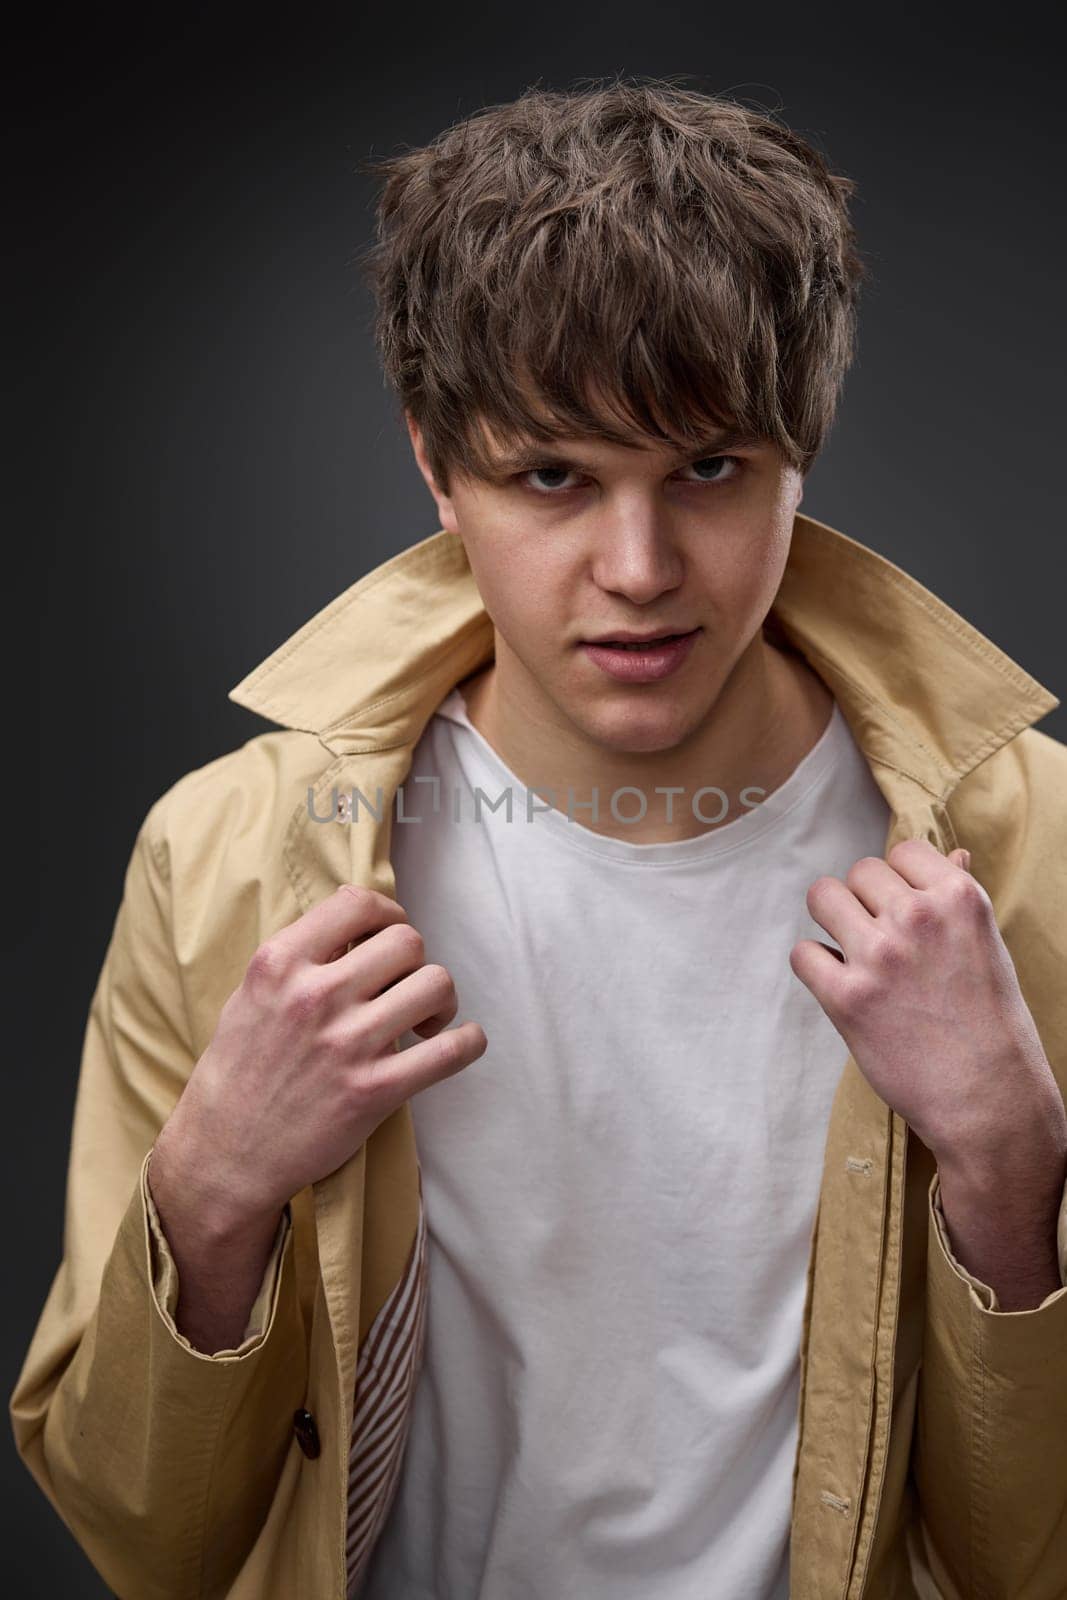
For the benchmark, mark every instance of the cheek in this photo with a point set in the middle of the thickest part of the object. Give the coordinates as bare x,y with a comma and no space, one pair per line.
774,556
523,595
741,583
759,558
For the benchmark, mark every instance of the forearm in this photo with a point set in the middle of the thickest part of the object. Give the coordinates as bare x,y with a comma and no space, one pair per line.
220,1247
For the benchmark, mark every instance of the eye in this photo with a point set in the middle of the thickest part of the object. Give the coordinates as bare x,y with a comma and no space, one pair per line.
549,470
549,479
725,468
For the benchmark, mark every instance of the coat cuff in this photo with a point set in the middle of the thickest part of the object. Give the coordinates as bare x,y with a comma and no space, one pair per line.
984,1296
165,1276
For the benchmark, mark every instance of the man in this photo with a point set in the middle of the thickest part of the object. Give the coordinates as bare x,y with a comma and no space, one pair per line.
633,1282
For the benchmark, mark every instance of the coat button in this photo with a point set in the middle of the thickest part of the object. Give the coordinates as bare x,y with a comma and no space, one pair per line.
307,1434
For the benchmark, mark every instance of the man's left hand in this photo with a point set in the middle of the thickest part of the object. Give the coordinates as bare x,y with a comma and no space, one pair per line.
928,1001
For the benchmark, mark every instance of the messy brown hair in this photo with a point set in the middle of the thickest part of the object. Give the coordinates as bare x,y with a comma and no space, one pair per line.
630,261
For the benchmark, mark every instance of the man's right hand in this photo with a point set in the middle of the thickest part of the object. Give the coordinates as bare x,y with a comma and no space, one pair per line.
302,1067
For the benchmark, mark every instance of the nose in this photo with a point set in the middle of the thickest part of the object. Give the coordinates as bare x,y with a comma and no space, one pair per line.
635,554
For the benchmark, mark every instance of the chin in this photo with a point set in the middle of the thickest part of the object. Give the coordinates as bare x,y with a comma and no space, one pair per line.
641,730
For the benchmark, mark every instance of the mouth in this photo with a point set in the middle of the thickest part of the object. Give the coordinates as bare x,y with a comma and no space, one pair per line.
641,644
636,659
638,641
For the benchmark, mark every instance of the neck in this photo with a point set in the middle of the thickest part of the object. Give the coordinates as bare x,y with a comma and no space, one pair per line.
770,712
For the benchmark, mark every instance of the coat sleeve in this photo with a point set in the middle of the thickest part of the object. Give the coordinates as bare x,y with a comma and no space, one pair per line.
162,1460
990,1462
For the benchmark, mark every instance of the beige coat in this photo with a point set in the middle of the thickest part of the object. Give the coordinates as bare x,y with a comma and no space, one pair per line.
932,1456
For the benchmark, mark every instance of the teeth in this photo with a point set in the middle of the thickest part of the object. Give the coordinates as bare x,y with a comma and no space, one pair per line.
646,644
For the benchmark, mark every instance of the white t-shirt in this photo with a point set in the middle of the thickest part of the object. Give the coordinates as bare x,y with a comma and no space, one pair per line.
620,1193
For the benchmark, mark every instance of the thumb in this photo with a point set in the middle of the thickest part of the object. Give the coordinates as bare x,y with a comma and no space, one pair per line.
961,858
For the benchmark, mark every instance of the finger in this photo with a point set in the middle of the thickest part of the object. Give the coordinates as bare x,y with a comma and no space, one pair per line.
433,1025
817,966
380,959
834,907
424,996
875,884
350,913
921,864
421,1065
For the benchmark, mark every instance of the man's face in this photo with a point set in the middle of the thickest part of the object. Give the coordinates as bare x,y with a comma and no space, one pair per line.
581,541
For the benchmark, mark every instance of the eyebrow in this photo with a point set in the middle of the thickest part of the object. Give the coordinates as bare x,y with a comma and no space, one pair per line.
534,455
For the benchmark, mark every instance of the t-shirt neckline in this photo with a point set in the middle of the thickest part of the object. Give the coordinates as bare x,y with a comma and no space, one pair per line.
742,831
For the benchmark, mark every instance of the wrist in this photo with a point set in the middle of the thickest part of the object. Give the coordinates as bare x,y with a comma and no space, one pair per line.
1007,1194
1023,1141
186,1177
1001,1223
1020,1199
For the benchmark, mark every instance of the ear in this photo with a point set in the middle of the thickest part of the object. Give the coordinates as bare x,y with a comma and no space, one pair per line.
446,511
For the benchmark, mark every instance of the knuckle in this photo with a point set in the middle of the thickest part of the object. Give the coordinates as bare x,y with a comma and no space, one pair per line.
856,870
967,894
337,1045
366,1092
863,872
267,966
920,914
409,939
887,953
357,1037
303,997
439,979
446,1052
366,896
439,1048
857,995
356,891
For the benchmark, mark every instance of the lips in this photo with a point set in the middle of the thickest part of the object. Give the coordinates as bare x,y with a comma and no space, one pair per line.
644,660
639,641
643,644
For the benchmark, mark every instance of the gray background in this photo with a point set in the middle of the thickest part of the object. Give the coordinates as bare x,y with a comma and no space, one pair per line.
204,453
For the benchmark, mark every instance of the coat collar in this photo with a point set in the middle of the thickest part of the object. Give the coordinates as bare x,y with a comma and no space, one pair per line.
925,694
